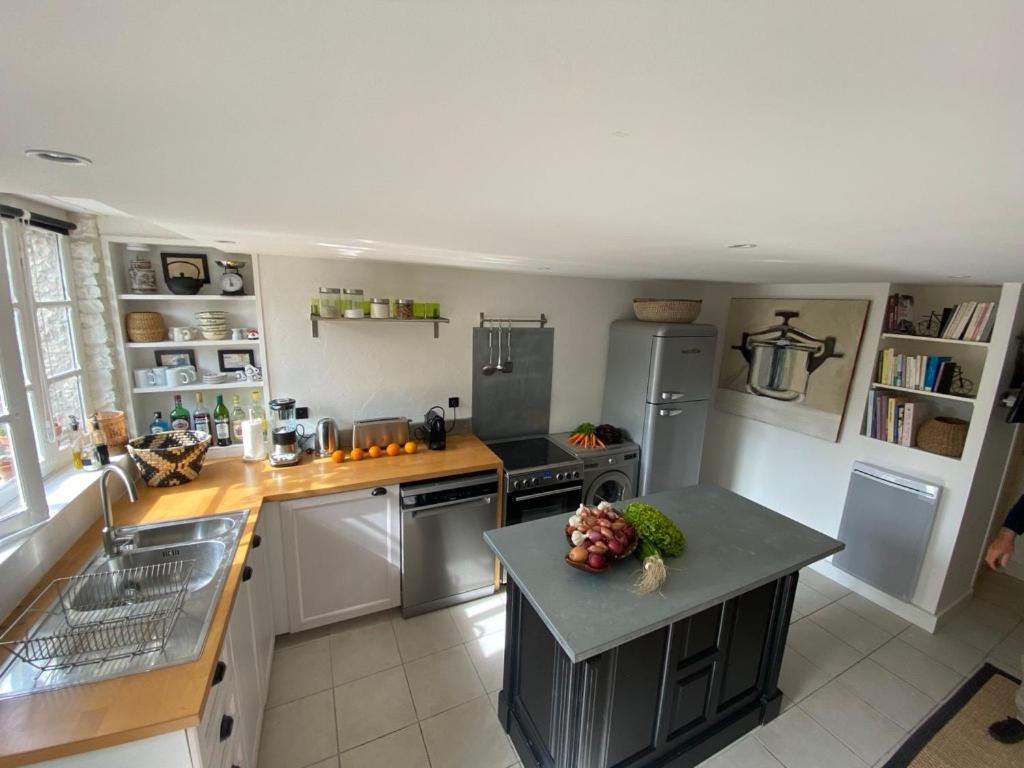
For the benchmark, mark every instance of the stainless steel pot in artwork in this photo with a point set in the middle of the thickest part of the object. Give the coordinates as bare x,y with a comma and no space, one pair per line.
781,358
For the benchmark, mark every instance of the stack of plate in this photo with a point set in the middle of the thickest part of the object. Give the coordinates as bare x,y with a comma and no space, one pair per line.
214,378
214,324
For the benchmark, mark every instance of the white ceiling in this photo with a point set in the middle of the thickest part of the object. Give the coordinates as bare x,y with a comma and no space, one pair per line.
850,140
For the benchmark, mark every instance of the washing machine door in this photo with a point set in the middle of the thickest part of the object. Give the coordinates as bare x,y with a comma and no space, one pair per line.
612,486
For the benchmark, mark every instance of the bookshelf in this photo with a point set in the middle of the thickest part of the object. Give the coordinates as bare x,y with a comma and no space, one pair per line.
911,353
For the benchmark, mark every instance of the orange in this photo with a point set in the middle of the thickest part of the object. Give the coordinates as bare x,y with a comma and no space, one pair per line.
410,447
338,456
394,449
375,452
357,454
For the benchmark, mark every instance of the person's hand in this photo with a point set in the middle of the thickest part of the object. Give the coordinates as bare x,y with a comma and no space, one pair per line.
1000,550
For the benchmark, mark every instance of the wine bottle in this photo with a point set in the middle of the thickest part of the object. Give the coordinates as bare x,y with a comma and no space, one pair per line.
221,422
237,417
180,417
99,441
201,416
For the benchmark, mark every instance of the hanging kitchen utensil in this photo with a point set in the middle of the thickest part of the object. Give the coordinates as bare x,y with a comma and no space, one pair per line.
508,351
499,366
781,358
505,366
489,369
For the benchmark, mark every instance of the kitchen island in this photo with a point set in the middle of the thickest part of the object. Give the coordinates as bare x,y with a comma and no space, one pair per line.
597,676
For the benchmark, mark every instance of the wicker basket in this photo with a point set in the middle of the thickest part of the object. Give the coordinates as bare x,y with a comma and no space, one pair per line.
169,458
666,310
943,435
145,326
115,427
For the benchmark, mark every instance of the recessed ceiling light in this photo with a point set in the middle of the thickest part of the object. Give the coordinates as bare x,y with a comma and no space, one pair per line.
620,134
959,277
228,242
56,156
742,245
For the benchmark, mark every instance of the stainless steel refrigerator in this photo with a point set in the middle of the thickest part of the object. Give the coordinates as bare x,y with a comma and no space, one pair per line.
658,390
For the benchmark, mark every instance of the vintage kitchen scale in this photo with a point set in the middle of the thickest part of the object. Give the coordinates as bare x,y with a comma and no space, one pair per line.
231,282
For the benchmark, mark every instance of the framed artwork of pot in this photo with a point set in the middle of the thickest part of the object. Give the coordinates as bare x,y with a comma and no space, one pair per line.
188,264
174,358
235,359
789,362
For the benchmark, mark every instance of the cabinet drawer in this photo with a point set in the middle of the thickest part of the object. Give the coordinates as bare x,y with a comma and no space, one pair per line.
219,703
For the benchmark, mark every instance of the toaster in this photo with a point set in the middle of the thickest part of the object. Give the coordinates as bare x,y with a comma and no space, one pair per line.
392,429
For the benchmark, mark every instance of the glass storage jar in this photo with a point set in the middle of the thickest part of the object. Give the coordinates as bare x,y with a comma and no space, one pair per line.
352,303
380,309
404,309
328,302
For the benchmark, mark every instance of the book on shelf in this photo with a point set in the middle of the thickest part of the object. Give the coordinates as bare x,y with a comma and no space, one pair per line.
899,314
894,418
929,373
968,321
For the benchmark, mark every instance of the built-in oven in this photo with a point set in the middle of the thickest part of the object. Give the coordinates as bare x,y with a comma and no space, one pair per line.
527,504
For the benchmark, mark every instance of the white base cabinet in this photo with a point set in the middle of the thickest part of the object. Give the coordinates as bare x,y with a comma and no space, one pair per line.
342,555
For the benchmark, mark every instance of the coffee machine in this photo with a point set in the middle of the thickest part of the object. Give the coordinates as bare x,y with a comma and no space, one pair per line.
284,435
433,422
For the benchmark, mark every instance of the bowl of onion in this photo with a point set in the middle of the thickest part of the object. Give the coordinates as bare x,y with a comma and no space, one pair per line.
598,536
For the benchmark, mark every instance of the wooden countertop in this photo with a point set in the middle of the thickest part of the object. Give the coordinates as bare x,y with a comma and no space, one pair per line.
45,725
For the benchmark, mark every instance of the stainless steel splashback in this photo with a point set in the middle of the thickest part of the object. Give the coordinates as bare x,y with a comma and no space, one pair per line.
516,403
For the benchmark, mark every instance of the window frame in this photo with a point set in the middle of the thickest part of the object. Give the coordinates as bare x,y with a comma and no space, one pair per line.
53,455
18,416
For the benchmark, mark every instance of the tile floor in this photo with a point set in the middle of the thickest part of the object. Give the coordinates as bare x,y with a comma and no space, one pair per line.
385,691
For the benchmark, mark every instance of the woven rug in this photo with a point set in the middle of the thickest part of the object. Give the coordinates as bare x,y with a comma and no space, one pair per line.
956,735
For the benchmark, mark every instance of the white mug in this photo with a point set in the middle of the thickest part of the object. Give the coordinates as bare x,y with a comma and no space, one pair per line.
144,377
183,374
159,374
238,334
182,333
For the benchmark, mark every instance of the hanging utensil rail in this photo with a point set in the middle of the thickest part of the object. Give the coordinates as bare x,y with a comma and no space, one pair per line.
542,320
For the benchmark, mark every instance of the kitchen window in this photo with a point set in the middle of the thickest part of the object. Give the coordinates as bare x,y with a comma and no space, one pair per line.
40,369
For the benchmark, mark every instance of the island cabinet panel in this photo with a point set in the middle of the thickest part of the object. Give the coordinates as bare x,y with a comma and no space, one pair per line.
671,697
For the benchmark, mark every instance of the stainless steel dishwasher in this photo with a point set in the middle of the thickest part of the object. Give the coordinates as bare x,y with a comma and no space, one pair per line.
444,558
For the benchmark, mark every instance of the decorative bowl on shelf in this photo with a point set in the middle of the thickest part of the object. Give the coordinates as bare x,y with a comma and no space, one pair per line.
666,310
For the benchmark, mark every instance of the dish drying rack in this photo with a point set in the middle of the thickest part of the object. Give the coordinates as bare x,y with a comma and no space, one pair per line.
99,617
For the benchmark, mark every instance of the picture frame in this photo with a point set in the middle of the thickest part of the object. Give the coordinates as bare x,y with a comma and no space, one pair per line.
232,360
198,260
173,358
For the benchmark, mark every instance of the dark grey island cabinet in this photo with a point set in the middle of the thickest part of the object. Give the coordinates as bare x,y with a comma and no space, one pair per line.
599,677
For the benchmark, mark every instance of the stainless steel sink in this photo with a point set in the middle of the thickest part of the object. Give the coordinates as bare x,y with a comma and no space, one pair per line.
152,554
205,558
162,534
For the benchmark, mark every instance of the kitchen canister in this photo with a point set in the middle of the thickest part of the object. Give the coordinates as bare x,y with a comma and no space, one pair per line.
329,303
141,275
404,309
352,303
380,308
943,435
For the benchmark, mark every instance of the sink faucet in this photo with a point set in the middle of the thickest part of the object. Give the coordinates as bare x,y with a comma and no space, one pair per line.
111,544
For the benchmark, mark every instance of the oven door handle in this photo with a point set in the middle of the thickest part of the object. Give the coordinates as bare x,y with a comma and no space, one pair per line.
558,492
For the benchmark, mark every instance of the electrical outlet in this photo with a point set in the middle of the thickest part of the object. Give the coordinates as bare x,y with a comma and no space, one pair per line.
453,402
302,412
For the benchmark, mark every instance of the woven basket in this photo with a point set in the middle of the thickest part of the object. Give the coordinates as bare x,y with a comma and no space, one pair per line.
114,426
666,310
169,458
943,435
145,326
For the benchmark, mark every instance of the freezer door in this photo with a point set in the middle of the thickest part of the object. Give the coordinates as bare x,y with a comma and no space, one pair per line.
680,368
671,448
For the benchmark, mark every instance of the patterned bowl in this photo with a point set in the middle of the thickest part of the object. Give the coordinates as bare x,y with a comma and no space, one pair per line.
169,458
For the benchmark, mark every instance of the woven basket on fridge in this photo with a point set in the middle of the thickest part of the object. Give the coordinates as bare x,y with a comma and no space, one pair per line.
943,435
666,310
114,426
169,458
145,326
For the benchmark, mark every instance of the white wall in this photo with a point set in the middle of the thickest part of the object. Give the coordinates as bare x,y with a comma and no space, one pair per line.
806,478
364,371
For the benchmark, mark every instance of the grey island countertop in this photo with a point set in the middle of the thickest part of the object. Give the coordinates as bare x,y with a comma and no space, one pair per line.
732,546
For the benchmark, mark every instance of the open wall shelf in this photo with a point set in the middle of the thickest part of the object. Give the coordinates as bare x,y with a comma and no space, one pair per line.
315,321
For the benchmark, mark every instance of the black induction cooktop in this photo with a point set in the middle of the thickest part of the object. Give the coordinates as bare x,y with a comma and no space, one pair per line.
530,453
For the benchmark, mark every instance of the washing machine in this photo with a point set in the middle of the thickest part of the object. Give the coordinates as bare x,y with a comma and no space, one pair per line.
609,474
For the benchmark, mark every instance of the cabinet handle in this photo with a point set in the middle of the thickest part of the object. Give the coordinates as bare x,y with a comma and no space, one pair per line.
218,673
247,573
379,492
227,725
256,540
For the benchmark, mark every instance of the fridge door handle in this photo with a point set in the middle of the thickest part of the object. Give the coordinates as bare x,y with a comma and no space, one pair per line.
669,412
673,395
